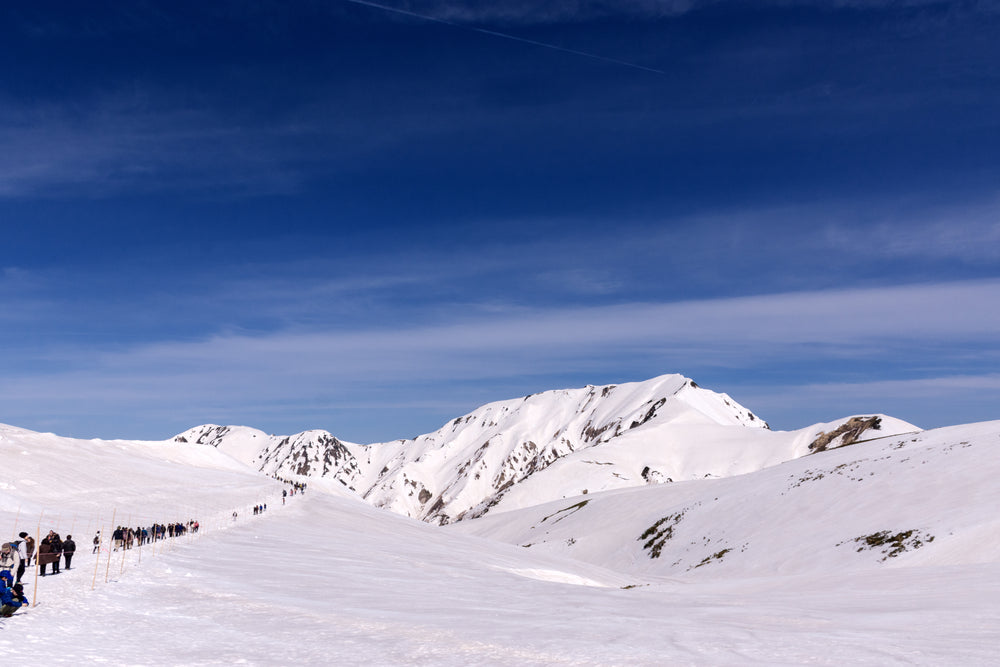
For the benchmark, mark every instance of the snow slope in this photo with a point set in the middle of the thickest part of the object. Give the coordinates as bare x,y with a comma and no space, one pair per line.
162,481
927,498
331,580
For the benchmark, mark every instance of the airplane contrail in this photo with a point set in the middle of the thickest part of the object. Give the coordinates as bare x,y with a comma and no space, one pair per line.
504,35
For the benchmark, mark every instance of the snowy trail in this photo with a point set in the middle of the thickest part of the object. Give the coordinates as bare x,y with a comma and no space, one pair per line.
331,581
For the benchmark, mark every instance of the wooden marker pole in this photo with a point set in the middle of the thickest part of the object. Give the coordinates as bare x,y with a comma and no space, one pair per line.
38,544
107,570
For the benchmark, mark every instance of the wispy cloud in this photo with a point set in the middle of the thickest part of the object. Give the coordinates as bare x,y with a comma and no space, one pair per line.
927,402
930,387
525,11
138,142
234,372
845,233
528,11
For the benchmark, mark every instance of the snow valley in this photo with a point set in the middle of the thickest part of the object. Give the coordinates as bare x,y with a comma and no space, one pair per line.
645,523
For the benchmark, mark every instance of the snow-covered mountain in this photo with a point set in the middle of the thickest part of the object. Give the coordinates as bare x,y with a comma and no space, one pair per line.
556,444
882,552
310,454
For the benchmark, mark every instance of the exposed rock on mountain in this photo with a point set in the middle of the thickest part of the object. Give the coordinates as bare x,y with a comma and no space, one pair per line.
307,454
846,434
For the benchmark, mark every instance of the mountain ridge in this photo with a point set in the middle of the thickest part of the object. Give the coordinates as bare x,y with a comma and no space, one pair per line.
514,453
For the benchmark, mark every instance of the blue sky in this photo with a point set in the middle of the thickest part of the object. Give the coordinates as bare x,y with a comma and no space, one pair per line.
372,219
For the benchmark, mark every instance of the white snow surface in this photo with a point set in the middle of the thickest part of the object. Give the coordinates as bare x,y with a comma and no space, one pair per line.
758,568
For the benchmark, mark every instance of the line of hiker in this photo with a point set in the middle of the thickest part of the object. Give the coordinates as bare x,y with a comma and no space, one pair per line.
296,487
125,537
16,556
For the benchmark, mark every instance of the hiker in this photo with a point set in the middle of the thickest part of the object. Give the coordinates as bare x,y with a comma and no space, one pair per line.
29,547
11,598
19,546
68,548
97,542
45,555
10,559
57,547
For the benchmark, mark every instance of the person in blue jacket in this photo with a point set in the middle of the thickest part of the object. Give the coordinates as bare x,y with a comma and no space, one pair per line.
11,599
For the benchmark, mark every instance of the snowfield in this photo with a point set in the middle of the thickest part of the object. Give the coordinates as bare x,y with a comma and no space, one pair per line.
886,551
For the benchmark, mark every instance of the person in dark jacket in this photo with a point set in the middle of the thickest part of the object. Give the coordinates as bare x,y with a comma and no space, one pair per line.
57,547
45,555
68,549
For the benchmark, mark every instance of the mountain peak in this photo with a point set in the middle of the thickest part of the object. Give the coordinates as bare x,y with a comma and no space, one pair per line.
545,446
467,467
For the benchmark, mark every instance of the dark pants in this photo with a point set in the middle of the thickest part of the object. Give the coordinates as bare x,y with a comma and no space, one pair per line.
69,558
20,572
